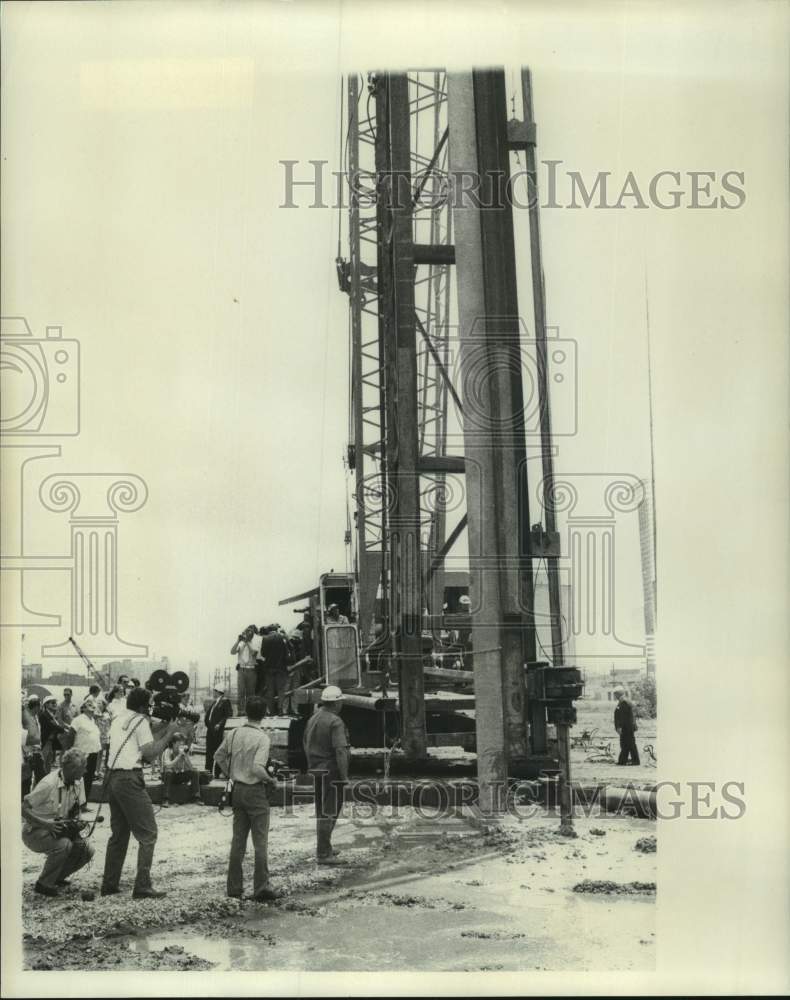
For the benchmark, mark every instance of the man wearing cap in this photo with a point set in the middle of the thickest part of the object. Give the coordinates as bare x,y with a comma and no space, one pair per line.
327,750
54,800
131,812
217,714
87,739
625,724
242,758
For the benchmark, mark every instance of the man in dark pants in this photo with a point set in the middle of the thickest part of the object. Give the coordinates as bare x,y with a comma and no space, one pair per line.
242,758
131,812
326,746
275,656
215,718
31,720
625,724
46,811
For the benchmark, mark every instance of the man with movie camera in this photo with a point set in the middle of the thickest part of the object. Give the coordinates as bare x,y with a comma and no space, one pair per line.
131,812
51,823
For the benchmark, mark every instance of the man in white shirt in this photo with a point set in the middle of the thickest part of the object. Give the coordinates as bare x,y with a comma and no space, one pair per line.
246,649
87,739
131,812
45,812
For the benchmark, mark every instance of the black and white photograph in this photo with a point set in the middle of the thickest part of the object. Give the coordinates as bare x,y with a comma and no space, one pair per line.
394,498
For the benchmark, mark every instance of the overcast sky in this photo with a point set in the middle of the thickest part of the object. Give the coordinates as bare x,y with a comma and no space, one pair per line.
141,212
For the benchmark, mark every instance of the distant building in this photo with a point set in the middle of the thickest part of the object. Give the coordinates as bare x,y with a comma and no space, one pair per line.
63,679
31,673
141,669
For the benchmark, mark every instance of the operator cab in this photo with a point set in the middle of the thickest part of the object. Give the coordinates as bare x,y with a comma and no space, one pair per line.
331,620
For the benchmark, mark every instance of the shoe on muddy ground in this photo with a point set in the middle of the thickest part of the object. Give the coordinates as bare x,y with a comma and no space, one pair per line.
266,896
45,890
107,890
148,894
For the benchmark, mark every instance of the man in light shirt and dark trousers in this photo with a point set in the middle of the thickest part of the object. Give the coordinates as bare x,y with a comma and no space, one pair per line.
246,649
131,812
243,757
87,739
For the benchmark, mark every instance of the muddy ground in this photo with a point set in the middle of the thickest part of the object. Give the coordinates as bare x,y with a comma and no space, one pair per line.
423,894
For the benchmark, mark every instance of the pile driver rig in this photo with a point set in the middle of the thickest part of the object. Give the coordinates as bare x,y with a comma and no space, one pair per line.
449,416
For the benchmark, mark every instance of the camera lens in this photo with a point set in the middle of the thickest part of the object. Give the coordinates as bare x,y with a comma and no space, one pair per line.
23,387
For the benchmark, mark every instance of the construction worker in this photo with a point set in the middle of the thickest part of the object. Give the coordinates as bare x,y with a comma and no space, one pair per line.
625,724
333,616
327,749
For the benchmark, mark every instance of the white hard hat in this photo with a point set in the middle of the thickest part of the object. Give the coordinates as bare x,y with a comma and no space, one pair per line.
331,693
463,599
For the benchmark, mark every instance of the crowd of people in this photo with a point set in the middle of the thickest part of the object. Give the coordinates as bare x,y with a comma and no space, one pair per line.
271,664
51,810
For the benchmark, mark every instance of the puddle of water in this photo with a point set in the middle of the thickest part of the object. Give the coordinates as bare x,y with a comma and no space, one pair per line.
530,928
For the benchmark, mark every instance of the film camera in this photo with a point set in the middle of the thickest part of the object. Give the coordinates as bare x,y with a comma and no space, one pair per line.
167,690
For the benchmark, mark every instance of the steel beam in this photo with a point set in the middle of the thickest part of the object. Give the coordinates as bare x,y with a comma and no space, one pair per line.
396,290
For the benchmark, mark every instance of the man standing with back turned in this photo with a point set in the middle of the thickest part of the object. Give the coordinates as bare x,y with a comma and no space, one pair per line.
326,746
243,757
625,724
131,812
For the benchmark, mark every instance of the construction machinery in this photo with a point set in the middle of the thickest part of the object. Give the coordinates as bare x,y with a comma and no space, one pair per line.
449,419
101,679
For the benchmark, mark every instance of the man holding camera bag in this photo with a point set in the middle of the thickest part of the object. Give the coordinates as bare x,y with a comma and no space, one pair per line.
131,812
50,823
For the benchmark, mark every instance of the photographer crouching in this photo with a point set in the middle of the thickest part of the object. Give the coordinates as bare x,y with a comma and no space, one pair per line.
51,823
131,812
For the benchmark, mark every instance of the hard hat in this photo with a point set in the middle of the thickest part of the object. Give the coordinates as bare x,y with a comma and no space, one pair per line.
221,690
331,693
49,698
464,599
